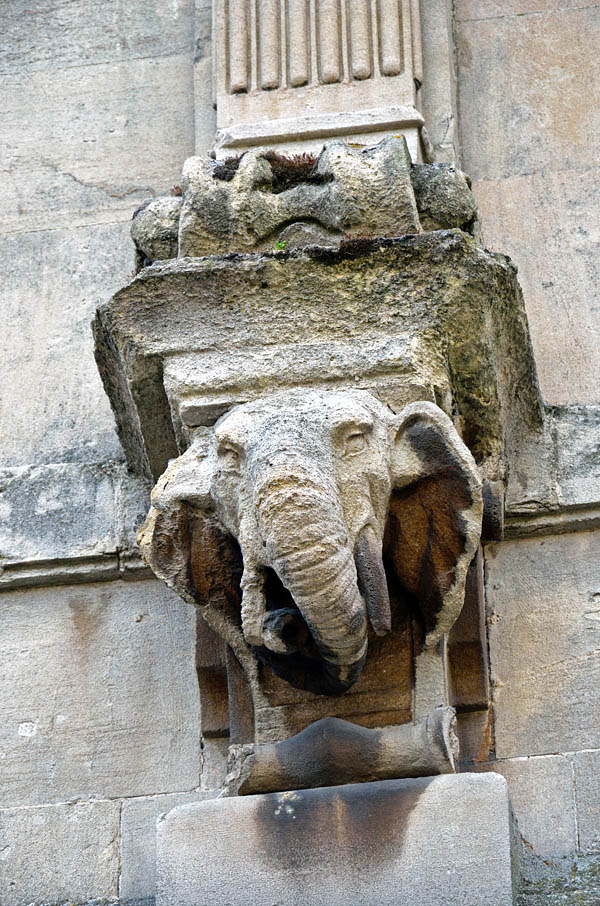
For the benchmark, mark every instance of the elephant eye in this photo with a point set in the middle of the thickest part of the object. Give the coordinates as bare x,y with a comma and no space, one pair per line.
355,443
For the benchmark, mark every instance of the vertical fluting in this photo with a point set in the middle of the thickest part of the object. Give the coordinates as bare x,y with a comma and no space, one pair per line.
268,15
297,42
417,43
328,37
390,37
237,44
359,38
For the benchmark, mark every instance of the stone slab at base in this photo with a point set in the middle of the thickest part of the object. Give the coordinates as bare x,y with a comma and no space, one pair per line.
433,841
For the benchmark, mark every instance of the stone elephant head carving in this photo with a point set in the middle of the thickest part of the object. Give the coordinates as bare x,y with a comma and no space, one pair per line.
307,503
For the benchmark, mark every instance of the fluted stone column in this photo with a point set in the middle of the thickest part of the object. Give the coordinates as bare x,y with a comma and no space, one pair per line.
290,73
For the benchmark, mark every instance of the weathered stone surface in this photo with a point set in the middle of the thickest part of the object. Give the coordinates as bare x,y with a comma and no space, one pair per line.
546,123
138,840
155,228
425,842
577,454
437,94
347,74
70,522
205,115
249,204
56,36
59,852
133,500
451,300
443,196
87,144
332,751
544,635
38,504
555,474
280,533
54,408
542,796
556,249
581,885
587,799
532,479
99,693
215,754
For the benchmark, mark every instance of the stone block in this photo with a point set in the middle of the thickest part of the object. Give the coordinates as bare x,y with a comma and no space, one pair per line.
578,454
547,122
54,512
215,753
531,485
434,324
426,842
541,793
99,693
58,853
543,597
437,95
54,35
556,247
89,143
138,840
587,799
55,408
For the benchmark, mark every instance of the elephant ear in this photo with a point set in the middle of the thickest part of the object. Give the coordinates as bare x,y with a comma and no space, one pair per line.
185,546
434,519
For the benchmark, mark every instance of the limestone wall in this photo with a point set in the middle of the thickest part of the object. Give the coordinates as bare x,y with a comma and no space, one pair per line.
99,697
528,129
99,704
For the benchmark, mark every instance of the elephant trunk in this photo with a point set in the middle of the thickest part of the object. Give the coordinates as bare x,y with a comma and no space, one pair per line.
307,544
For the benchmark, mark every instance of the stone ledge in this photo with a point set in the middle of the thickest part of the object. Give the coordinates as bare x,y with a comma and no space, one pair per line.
426,842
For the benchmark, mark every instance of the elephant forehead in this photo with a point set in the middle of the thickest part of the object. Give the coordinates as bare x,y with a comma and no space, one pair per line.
307,413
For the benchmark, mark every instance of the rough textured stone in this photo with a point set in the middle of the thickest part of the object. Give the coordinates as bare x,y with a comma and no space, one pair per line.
544,632
265,200
425,842
138,840
54,408
450,302
86,144
444,198
155,228
542,796
59,852
245,205
587,798
99,693
580,886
